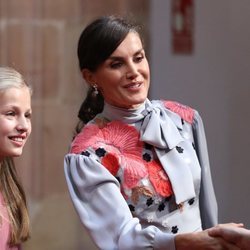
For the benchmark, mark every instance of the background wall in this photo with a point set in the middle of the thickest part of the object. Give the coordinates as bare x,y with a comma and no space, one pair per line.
215,79
39,38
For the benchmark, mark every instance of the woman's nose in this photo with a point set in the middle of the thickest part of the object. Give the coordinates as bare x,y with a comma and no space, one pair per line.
131,71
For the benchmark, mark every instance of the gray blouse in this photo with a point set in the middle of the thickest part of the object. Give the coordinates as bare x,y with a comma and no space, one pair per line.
139,177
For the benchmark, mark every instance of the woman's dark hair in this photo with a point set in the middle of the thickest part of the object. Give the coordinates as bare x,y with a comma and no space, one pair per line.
96,43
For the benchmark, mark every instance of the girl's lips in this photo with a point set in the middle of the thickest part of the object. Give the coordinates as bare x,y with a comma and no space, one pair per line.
18,140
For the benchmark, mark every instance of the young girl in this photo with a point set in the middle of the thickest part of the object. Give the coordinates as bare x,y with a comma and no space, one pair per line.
15,128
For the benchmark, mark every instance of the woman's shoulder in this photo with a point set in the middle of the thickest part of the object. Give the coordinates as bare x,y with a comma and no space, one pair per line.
103,133
187,113
85,138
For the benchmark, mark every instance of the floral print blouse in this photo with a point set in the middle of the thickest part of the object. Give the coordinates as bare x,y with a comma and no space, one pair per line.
131,189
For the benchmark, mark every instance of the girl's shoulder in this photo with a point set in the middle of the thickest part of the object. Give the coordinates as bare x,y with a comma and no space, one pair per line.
4,224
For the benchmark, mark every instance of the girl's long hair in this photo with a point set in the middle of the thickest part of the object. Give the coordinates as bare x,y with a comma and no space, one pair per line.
15,202
10,185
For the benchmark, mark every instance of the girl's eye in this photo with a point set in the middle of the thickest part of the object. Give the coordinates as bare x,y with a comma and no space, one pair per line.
10,113
28,115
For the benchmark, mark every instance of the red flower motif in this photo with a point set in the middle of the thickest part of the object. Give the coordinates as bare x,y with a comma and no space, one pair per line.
185,112
159,179
122,141
111,162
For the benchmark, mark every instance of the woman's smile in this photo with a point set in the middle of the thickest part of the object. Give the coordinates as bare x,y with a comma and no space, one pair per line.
123,78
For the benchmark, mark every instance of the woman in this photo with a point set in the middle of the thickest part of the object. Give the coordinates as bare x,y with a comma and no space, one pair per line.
15,128
138,171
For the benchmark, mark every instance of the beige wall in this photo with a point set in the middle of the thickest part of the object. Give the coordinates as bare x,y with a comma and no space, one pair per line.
214,80
39,38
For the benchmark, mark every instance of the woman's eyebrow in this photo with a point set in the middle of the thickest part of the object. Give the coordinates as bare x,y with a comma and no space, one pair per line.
121,58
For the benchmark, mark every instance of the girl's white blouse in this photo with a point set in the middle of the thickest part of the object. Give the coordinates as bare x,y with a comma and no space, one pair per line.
114,216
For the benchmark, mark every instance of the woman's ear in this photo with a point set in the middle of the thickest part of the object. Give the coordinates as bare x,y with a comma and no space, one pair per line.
88,76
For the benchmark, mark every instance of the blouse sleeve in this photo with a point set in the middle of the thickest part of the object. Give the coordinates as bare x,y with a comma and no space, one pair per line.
104,212
208,203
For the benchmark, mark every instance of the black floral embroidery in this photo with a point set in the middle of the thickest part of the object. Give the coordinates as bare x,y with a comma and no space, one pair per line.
100,152
86,153
146,157
174,229
149,202
182,121
179,149
161,207
148,146
191,201
131,207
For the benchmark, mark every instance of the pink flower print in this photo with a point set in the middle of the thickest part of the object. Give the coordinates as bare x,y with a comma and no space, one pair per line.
159,179
120,140
84,139
123,139
185,112
134,170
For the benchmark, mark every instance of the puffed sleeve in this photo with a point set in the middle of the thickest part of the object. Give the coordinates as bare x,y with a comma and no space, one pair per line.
104,212
208,203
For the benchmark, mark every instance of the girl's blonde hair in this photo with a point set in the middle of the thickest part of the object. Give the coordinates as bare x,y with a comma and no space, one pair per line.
10,185
10,78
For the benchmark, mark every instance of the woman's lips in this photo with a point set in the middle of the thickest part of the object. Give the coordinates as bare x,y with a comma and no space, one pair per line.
133,85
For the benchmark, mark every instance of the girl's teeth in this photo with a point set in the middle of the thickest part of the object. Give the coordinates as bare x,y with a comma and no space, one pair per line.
17,139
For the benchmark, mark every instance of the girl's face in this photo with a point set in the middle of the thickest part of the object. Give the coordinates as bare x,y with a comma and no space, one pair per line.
15,121
124,77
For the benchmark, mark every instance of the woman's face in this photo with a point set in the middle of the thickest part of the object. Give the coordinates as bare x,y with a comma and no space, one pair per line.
15,121
124,77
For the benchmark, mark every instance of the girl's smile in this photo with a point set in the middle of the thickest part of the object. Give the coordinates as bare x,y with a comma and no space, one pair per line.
15,120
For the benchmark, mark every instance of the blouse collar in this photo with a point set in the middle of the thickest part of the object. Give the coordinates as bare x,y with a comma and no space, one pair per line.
125,115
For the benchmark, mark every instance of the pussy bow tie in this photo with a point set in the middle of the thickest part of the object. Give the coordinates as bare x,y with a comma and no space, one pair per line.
161,131
160,128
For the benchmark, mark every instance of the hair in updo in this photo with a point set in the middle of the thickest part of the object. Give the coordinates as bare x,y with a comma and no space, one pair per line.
96,43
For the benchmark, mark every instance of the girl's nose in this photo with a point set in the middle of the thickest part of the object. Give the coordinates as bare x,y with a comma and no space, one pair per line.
23,124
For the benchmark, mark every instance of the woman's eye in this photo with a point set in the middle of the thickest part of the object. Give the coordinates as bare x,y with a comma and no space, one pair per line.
139,58
116,65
